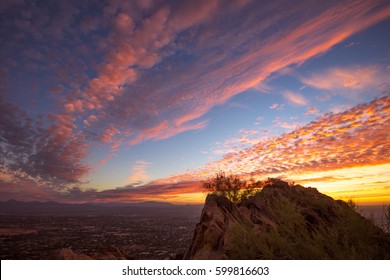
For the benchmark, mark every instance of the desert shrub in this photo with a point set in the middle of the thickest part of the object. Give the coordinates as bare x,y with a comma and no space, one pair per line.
231,186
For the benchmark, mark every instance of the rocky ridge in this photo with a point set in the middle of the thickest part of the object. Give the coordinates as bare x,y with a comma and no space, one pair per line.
285,222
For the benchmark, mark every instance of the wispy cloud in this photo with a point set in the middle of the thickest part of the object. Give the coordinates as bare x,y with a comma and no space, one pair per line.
295,98
139,174
351,79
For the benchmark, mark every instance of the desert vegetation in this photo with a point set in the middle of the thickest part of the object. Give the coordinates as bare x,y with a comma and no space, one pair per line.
232,187
237,189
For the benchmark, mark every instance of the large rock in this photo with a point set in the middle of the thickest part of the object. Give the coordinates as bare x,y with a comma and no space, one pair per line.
285,222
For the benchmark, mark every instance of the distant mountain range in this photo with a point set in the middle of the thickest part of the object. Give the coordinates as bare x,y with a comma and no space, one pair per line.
14,207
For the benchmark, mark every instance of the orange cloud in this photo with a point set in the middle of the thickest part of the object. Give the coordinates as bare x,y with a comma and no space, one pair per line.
345,155
356,137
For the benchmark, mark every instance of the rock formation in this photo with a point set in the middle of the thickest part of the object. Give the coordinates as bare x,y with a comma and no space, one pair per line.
285,222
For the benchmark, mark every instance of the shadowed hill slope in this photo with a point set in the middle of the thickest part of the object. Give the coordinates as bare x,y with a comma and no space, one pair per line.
285,222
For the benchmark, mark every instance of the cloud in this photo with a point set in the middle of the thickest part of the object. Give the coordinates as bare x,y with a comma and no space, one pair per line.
132,71
153,191
312,111
277,106
295,98
170,62
351,44
279,122
165,130
318,151
354,79
139,175
27,190
53,154
353,138
245,138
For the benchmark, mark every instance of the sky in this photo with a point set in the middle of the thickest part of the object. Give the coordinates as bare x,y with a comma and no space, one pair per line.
127,101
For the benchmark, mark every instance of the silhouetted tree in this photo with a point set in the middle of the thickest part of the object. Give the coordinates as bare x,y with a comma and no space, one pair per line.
231,187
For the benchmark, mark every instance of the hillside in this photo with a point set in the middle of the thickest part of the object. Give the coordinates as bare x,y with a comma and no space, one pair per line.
285,222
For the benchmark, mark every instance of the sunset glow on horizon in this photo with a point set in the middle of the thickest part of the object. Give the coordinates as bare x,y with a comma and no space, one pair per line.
129,101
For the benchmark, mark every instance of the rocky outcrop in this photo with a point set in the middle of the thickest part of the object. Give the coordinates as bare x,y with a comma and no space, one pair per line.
285,222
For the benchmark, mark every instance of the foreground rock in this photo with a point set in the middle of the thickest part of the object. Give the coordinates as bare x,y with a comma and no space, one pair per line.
285,222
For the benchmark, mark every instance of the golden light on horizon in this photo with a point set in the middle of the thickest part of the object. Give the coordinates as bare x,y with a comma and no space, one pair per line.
187,198
365,184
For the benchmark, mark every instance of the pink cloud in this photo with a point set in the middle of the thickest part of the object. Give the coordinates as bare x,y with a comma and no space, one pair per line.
312,111
165,130
355,78
188,13
154,70
180,94
201,90
295,98
139,175
244,139
52,155
124,23
109,134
